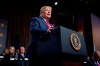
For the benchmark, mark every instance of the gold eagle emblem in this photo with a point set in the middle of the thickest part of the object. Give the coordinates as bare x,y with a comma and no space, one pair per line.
75,41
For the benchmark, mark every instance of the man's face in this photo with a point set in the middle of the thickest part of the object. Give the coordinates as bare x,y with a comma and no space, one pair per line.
22,50
12,50
47,12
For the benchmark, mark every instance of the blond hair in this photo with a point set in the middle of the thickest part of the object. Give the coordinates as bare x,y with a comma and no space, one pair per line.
43,7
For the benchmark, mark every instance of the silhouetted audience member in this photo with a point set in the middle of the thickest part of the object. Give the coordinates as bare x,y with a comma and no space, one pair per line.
16,53
4,52
94,60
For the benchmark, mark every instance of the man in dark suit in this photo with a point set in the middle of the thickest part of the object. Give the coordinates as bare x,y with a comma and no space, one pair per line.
22,57
40,29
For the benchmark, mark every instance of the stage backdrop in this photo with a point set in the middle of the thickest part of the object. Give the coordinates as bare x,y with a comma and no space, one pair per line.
96,31
3,33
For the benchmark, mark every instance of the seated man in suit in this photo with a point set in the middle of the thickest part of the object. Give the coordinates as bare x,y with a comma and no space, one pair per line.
22,57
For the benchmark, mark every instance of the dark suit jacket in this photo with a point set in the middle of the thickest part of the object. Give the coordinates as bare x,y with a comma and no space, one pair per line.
38,28
8,56
20,57
7,60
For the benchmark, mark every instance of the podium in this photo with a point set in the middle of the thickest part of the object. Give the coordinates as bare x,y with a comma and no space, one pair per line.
63,44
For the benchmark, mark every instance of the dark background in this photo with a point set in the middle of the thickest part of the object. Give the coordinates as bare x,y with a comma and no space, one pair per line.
18,15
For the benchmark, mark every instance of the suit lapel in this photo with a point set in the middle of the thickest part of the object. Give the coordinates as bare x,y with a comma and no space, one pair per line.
43,21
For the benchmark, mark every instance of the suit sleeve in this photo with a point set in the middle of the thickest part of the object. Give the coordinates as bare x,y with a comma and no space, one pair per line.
35,27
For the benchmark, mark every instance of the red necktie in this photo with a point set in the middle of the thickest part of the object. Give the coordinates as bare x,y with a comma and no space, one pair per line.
48,24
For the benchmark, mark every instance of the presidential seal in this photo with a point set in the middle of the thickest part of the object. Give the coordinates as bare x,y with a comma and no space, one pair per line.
75,42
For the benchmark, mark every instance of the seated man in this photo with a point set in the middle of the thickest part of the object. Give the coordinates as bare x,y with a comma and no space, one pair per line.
22,57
